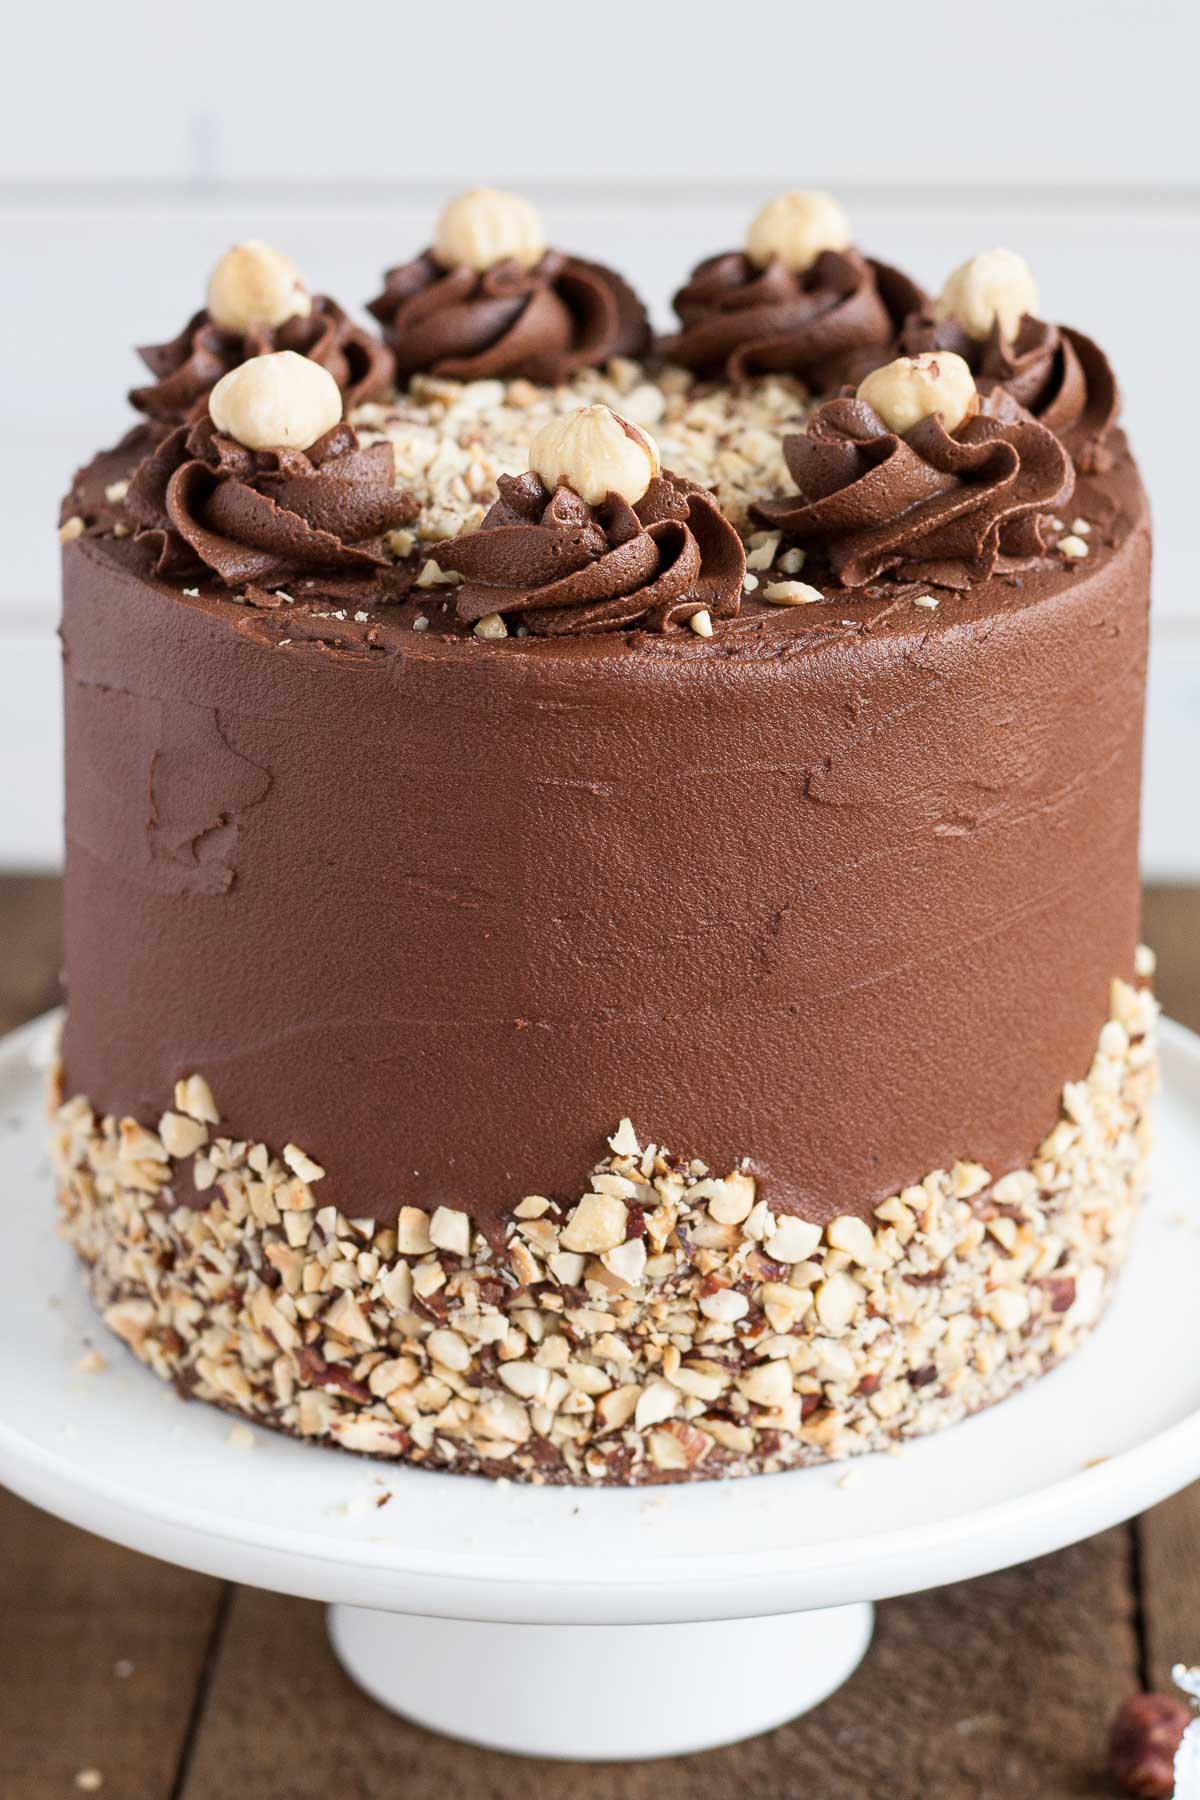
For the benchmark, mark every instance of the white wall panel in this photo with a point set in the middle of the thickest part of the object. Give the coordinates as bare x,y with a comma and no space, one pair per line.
942,92
138,140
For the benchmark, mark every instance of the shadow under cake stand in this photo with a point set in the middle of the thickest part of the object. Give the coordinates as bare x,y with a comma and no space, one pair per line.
598,1624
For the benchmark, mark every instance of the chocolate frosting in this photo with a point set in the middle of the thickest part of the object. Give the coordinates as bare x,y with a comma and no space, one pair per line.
261,518
568,567
1054,372
541,323
188,368
828,324
946,508
845,900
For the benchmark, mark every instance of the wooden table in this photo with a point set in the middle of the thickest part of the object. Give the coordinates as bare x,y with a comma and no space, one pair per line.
171,1686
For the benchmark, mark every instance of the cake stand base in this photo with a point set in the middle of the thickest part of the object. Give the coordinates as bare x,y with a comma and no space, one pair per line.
601,1692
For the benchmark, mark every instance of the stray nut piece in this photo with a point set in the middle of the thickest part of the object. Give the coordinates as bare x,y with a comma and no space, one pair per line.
483,227
595,452
254,284
908,390
1142,1742
996,287
796,227
276,402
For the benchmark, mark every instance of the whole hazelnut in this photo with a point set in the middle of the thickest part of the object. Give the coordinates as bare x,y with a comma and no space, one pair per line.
254,284
483,227
911,388
996,286
595,452
276,402
796,227
1142,1742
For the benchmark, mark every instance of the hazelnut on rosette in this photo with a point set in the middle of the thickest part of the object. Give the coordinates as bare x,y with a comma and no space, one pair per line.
490,299
597,537
919,477
797,300
257,302
272,488
987,314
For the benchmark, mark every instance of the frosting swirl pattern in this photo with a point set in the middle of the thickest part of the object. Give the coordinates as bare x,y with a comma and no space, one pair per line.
949,509
262,518
542,323
827,324
567,567
188,367
1054,372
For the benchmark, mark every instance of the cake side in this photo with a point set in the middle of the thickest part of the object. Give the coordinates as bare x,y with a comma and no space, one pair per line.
669,1326
440,908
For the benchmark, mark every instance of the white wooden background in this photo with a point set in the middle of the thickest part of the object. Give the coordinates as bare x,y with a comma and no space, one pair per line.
138,141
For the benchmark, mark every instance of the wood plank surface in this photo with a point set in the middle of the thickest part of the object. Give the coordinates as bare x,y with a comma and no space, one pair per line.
1168,1537
988,1689
993,1687
101,1658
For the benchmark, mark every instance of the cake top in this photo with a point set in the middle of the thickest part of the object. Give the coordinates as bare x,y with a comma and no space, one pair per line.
824,435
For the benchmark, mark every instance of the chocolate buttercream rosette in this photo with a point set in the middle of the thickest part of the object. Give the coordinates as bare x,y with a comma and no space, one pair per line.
257,304
489,300
272,489
986,314
597,537
918,477
797,300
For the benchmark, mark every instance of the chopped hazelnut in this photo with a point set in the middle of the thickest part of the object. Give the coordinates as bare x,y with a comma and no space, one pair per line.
791,593
491,626
597,1224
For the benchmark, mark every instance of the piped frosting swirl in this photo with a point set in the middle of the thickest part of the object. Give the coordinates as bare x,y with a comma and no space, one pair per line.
1056,373
508,321
188,367
566,567
827,324
931,506
259,519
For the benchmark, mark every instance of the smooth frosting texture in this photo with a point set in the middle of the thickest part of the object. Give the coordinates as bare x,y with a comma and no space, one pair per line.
1057,374
567,567
841,890
188,367
261,518
540,323
933,506
827,324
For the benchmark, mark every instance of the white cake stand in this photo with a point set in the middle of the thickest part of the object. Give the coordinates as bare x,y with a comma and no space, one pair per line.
567,1622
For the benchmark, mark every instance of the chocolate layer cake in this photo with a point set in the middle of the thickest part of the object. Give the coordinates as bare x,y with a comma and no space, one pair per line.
602,918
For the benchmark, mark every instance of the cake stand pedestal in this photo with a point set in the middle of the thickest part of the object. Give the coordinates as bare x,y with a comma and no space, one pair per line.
583,1623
